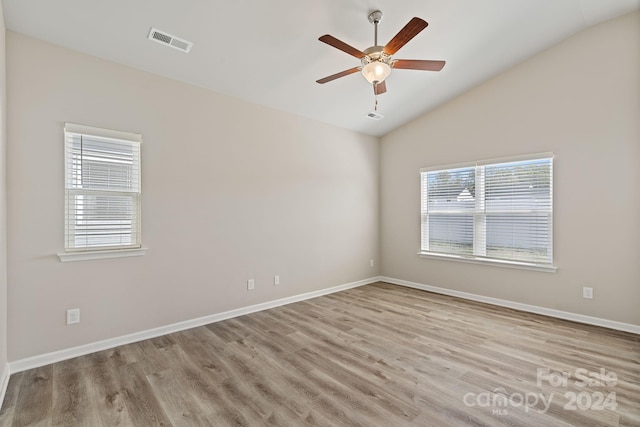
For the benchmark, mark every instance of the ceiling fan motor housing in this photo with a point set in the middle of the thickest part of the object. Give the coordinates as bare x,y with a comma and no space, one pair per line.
375,53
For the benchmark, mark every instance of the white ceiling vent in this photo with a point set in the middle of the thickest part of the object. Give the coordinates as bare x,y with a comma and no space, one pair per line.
375,116
167,39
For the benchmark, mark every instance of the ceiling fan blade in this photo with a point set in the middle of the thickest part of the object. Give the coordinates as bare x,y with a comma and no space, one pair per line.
332,41
418,64
338,75
379,88
407,33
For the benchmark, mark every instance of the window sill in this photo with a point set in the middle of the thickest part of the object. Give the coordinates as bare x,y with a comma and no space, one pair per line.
493,262
89,255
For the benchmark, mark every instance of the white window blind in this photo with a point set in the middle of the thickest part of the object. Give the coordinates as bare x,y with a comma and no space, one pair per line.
493,210
102,189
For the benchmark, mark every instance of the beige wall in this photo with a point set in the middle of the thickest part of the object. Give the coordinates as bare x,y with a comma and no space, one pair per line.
579,99
231,191
3,201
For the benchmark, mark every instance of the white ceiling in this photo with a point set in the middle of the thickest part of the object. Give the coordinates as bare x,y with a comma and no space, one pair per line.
268,52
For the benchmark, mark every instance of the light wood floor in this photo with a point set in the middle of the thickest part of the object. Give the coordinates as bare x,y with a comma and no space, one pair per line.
378,355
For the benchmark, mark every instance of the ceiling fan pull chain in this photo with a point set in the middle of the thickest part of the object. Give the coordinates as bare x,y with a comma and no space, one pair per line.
375,105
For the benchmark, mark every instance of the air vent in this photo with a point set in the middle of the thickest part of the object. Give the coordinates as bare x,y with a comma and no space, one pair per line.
375,116
167,39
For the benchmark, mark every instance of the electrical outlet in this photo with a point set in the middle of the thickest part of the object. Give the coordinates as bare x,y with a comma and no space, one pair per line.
276,280
587,293
371,263
73,316
251,284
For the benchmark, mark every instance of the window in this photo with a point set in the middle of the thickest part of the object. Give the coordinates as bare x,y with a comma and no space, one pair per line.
498,211
102,189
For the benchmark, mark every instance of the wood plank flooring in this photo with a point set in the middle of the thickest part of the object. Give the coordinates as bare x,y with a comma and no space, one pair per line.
377,355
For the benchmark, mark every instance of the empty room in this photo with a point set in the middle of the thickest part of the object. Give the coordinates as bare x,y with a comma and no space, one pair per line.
336,213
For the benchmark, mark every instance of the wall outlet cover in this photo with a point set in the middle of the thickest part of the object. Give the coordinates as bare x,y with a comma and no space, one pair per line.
73,316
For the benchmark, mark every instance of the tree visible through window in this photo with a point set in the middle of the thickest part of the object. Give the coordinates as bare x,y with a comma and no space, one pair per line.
499,210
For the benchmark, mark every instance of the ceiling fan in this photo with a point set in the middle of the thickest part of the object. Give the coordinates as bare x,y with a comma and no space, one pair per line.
376,60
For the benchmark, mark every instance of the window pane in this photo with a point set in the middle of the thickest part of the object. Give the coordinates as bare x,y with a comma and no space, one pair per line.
102,164
451,190
523,186
448,205
451,234
518,211
102,220
520,237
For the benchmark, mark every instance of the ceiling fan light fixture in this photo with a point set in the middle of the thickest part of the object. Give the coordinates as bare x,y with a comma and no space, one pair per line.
376,71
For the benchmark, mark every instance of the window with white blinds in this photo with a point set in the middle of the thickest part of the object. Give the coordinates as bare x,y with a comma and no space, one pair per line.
492,210
102,189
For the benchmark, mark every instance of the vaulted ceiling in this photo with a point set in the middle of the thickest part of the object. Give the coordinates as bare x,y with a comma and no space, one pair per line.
267,52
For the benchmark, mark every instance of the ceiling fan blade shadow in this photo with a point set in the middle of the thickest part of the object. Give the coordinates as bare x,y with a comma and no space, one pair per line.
418,64
338,44
405,34
380,88
338,75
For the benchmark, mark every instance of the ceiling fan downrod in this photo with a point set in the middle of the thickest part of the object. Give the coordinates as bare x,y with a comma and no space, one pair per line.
375,17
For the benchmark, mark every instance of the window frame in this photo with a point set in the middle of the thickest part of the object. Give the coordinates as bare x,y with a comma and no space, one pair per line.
89,252
479,215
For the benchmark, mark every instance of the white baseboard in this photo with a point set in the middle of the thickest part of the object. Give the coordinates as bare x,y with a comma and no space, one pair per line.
581,318
69,353
4,382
